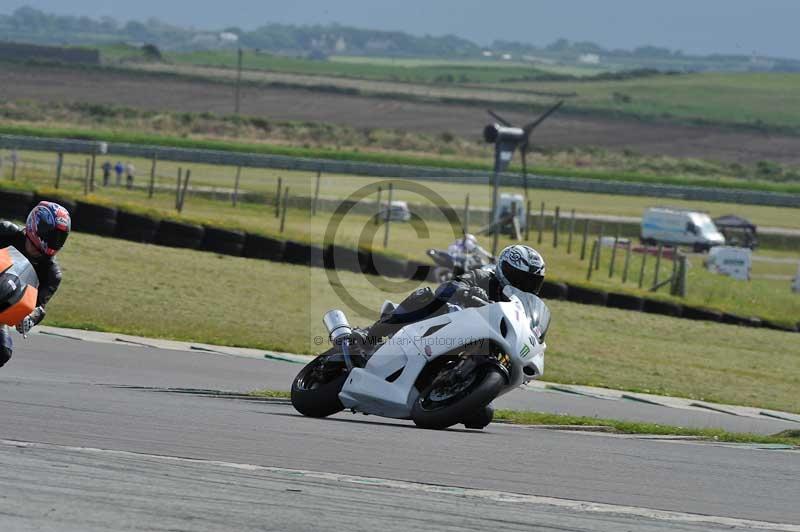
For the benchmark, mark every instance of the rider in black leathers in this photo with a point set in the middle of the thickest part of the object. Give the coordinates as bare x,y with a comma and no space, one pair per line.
45,265
518,265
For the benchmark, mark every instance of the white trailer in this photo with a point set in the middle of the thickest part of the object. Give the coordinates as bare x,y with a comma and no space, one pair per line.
680,227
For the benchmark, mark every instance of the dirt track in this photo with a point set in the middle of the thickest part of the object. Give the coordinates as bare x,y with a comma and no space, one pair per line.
157,93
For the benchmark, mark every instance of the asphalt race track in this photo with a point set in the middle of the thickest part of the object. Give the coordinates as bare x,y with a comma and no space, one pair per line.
89,440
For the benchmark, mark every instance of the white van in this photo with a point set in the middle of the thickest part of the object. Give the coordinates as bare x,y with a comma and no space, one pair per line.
512,202
398,211
662,225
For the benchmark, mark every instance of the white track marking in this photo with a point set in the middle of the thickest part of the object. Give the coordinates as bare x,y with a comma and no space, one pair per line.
488,495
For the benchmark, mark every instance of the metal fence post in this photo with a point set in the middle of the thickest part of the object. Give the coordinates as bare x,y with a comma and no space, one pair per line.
585,236
151,188
595,247
278,199
556,220
86,178
528,220
466,214
185,187
541,224
235,198
571,230
316,194
285,208
178,189
91,177
599,247
658,264
377,218
641,271
627,263
613,255
59,168
388,217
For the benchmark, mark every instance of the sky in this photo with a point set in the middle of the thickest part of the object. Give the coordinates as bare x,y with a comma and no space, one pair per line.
764,27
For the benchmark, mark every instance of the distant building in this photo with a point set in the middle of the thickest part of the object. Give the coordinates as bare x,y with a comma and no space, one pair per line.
228,37
506,57
589,59
487,53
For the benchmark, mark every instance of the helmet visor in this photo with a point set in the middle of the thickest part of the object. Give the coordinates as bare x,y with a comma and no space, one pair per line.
522,280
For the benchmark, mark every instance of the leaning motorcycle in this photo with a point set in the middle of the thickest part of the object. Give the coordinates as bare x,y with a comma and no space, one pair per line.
438,372
19,287
449,265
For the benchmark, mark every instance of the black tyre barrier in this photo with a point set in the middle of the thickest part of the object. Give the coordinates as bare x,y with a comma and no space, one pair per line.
625,301
665,308
387,266
223,241
365,263
317,257
341,259
297,253
95,219
769,324
15,204
179,234
553,290
263,247
136,227
701,314
752,321
68,204
419,271
733,319
587,296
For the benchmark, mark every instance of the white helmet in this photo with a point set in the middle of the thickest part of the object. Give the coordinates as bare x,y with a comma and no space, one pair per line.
521,267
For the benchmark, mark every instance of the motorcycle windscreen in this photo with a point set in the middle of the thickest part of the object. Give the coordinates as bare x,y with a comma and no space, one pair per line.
18,287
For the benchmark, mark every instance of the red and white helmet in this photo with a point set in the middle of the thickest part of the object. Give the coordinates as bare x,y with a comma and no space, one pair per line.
48,227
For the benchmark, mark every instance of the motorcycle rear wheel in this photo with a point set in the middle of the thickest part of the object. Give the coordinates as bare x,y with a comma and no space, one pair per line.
313,396
432,410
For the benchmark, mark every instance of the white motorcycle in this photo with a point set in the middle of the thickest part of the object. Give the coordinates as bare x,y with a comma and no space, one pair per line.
437,372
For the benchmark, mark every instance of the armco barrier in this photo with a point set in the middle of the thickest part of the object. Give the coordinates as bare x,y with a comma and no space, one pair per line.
255,160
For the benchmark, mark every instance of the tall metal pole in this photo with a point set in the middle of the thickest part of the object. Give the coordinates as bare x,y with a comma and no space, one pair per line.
388,217
59,168
152,178
316,194
238,82
466,213
235,198
495,217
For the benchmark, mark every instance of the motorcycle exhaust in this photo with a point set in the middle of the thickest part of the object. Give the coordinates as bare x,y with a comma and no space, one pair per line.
336,323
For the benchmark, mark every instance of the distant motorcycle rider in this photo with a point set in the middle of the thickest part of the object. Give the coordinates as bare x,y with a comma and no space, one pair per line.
518,265
44,234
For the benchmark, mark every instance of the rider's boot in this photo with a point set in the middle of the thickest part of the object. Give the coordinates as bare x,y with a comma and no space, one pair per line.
6,346
479,418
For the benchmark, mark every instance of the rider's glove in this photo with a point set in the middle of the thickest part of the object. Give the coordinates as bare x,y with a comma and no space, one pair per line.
473,296
25,326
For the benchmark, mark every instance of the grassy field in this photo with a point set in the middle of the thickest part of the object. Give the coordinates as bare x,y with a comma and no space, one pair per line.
40,168
766,101
754,99
765,298
148,290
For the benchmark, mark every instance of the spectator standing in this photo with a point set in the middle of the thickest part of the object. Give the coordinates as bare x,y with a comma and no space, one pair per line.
118,169
106,172
130,172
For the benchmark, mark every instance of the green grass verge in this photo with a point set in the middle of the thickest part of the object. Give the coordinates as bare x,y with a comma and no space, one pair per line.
765,298
517,417
631,427
147,290
381,158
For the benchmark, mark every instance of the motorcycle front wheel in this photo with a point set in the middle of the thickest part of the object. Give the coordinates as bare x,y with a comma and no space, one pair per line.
315,391
440,406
